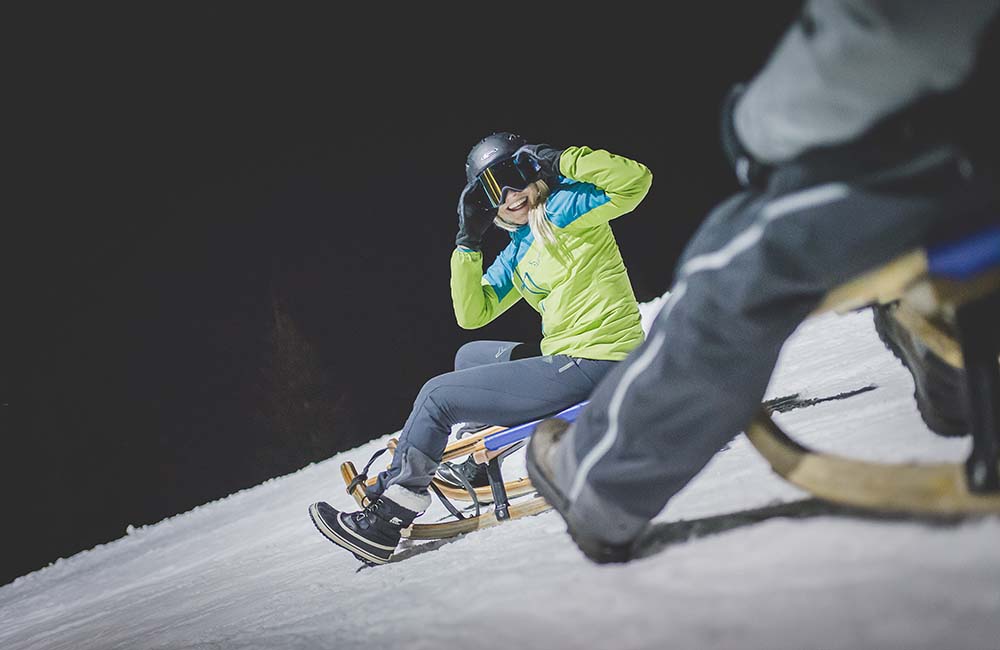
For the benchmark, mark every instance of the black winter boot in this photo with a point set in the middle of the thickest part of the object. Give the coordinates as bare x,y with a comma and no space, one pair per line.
472,471
939,388
370,534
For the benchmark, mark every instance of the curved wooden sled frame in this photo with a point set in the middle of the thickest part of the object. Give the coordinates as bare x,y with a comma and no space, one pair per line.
931,489
928,489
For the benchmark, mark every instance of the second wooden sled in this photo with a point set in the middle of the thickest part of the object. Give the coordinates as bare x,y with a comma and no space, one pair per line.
486,447
958,284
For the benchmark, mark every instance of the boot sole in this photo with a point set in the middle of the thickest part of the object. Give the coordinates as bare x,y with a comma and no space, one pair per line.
935,420
538,479
335,537
597,552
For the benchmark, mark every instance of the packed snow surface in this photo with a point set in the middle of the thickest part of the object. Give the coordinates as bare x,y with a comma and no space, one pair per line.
250,571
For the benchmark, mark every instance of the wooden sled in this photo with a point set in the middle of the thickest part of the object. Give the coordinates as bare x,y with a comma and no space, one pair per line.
458,526
487,447
957,285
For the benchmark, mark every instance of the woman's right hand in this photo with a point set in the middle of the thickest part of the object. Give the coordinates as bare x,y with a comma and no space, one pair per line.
473,220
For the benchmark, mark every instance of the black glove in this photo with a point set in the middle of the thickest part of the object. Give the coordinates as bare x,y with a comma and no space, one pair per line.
474,219
547,158
749,172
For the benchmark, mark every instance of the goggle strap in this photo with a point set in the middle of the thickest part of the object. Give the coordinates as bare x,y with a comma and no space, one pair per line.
491,185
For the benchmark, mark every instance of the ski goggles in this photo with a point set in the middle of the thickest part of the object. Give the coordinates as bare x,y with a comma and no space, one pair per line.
509,174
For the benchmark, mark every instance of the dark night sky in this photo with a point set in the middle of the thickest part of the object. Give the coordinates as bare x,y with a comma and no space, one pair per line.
228,256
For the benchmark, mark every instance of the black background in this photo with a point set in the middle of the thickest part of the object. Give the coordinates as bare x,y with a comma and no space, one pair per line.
226,248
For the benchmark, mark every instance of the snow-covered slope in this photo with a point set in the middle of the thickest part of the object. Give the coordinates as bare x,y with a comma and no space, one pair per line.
250,571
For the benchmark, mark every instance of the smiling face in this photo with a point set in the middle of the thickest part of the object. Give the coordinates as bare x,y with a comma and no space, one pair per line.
516,205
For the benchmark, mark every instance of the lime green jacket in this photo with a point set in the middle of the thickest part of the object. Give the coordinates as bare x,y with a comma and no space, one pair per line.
588,307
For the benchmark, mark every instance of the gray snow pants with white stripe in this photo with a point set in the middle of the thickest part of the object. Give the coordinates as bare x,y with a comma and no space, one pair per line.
754,270
762,261
493,383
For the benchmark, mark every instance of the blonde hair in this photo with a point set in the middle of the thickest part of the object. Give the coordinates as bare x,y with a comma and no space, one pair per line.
540,226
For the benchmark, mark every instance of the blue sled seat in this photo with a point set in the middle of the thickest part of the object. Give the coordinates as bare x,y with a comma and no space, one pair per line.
501,439
967,257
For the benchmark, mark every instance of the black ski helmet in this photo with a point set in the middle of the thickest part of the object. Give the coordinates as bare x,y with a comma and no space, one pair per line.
492,148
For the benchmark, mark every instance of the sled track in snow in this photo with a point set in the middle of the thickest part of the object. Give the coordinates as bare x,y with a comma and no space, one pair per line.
793,401
663,535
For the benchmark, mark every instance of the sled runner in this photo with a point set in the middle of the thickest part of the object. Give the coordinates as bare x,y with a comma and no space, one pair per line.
957,284
487,447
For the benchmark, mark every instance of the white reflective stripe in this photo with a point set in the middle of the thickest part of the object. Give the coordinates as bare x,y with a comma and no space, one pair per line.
776,209
566,367
611,434
804,199
724,255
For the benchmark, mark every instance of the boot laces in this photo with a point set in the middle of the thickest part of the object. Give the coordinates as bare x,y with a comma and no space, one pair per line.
368,513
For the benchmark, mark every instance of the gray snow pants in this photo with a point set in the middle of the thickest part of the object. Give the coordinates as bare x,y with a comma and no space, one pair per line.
493,383
757,266
762,261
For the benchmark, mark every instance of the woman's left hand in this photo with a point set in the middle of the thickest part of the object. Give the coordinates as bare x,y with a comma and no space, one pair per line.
547,158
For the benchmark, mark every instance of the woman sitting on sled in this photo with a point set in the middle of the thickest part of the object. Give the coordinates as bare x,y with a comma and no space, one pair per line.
564,261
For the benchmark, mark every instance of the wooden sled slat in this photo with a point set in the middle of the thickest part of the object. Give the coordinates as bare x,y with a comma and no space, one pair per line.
451,528
457,449
932,489
515,488
906,277
880,285
940,342
464,447
487,519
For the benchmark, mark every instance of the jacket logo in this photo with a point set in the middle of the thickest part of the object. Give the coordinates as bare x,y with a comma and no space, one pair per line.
490,153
